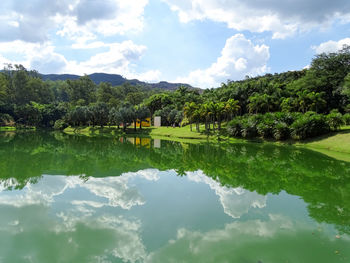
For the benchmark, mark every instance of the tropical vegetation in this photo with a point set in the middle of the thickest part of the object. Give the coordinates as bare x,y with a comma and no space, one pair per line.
295,104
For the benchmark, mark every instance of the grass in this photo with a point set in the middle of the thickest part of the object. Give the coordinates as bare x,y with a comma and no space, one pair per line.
336,144
165,132
7,128
182,133
12,128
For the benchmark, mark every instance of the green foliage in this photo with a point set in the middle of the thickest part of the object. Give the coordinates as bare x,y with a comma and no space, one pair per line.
266,125
346,118
281,97
281,125
234,128
309,125
60,125
5,119
281,131
249,127
335,120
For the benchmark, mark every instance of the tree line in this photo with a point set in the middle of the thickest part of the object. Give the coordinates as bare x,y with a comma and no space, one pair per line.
322,89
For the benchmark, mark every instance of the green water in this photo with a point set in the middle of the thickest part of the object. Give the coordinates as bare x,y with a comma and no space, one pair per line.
79,199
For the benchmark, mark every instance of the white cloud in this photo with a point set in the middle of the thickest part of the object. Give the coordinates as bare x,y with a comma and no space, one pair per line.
331,46
282,18
39,56
239,57
32,21
115,191
233,240
119,58
235,201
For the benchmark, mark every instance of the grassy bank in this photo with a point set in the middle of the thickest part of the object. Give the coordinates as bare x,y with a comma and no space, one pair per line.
336,145
11,128
165,132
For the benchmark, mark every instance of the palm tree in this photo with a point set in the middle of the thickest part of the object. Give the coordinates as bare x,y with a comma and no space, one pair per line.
231,108
206,114
316,100
220,112
259,103
189,111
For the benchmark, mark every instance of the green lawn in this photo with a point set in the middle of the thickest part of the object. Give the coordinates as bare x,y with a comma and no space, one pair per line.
11,128
183,132
7,128
335,144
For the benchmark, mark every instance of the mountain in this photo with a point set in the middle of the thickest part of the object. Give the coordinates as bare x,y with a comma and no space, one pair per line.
116,80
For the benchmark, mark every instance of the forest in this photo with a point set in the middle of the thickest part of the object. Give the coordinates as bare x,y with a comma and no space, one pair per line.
295,104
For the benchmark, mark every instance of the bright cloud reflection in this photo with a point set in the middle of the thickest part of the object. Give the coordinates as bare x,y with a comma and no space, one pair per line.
235,201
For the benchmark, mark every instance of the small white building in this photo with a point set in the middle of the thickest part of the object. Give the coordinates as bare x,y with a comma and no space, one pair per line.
157,121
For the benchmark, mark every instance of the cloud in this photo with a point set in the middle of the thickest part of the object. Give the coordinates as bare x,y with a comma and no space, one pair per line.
239,57
235,201
29,21
33,21
119,58
331,46
39,56
252,240
112,191
282,18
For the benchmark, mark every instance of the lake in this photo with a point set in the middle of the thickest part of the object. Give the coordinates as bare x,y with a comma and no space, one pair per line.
92,199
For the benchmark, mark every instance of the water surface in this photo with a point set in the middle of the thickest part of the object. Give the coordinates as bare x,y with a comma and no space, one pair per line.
79,199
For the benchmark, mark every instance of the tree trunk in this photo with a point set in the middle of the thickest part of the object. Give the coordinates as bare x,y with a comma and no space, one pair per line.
134,125
140,124
191,126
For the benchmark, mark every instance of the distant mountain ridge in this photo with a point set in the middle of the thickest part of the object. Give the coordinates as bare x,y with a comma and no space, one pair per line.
116,80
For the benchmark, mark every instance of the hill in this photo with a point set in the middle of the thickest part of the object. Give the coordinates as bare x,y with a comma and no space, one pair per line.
116,80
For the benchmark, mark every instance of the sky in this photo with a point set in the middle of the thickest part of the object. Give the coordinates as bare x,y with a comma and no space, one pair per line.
200,42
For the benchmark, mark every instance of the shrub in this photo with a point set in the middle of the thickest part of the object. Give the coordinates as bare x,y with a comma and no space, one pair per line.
346,118
5,119
234,127
281,131
249,129
266,125
309,125
60,125
335,120
287,117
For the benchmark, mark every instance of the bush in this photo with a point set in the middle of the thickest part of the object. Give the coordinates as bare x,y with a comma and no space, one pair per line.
283,125
281,131
60,125
266,125
5,119
249,129
287,117
234,128
335,120
346,118
309,125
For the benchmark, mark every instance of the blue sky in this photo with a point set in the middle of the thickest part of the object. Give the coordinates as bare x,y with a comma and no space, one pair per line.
200,42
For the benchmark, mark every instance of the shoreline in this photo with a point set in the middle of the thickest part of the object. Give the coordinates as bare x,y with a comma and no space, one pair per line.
335,144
